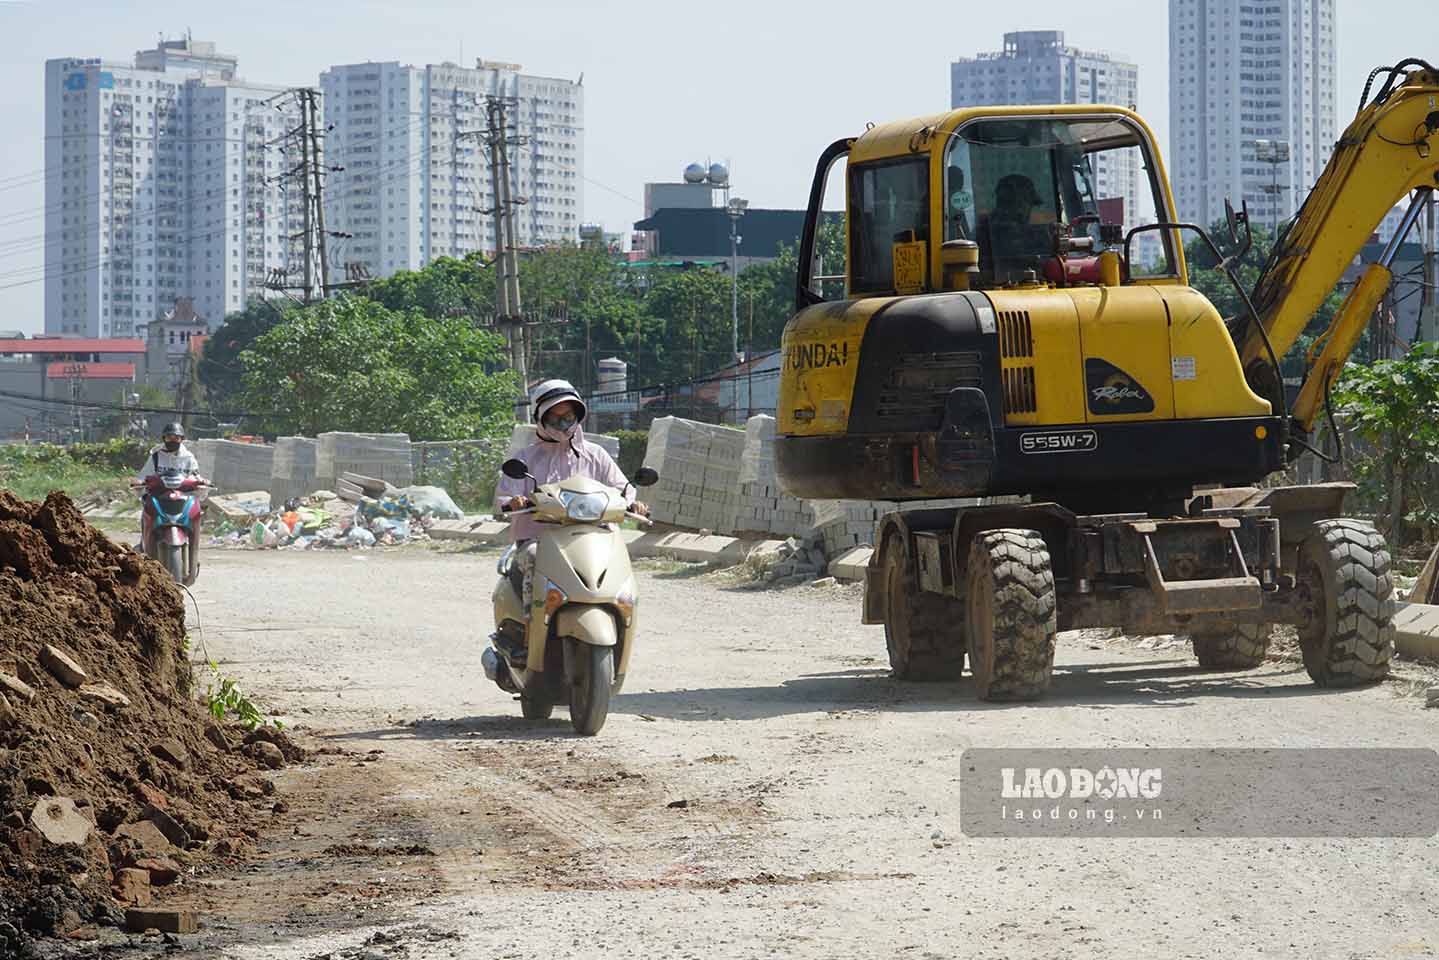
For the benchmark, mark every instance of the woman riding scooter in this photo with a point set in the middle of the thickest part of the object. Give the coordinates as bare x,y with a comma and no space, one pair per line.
560,452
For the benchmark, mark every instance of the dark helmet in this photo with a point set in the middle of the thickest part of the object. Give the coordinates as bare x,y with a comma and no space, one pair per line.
173,429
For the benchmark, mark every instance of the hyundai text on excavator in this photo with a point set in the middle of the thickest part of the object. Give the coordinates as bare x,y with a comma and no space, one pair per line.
1009,331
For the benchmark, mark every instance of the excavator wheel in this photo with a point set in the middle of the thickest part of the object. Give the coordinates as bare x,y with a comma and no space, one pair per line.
924,632
1012,619
1240,649
1349,638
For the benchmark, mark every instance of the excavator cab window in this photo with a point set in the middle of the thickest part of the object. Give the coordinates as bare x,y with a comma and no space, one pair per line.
1015,185
889,204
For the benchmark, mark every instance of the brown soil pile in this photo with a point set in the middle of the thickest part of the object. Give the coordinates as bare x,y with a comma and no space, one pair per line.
113,779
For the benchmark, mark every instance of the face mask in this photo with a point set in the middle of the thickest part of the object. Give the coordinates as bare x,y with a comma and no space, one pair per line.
562,424
172,445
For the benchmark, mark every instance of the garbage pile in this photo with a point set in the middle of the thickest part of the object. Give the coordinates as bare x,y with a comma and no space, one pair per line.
365,512
114,780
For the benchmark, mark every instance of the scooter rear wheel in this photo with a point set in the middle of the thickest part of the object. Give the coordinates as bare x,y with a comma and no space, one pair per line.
535,708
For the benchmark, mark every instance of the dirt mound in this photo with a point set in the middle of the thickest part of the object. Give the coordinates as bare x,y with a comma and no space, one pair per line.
113,778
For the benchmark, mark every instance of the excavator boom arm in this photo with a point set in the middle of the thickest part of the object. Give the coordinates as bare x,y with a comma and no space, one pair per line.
1390,149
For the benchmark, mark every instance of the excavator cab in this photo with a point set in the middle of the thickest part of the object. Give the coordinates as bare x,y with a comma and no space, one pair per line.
982,200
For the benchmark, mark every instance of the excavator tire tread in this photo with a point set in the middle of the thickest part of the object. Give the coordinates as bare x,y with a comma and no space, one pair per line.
1241,649
1350,639
1013,603
923,632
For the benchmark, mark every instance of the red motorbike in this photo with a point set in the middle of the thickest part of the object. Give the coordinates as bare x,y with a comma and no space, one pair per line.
170,522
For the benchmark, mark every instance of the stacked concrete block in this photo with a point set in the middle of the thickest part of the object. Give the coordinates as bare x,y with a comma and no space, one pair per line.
235,467
699,465
292,470
385,456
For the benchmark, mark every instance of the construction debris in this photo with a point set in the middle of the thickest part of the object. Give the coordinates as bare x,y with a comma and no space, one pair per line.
104,760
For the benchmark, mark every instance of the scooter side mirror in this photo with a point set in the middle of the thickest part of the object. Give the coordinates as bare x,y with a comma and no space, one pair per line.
515,469
646,477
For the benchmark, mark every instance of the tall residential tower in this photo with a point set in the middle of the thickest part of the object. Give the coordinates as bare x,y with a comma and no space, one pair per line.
416,180
163,184
1242,71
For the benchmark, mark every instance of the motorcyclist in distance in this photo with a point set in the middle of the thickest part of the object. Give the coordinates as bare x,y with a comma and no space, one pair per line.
170,454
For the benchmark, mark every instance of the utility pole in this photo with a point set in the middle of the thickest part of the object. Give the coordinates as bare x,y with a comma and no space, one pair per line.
76,372
509,313
305,140
309,105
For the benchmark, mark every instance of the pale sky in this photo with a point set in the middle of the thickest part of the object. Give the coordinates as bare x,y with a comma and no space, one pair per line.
764,85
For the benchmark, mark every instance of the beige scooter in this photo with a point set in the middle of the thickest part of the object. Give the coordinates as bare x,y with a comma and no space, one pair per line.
574,642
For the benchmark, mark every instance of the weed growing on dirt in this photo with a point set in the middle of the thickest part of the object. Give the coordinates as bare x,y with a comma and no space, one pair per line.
224,696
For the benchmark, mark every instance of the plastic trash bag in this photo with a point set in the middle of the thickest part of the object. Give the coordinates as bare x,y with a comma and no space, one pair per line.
398,529
432,502
360,537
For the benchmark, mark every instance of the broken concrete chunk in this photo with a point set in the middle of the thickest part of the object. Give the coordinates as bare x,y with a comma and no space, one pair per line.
168,825
7,713
166,921
172,752
59,821
823,582
13,684
63,666
266,754
104,693
145,835
162,870
132,886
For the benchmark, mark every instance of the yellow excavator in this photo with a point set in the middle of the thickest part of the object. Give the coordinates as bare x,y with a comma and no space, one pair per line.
1013,332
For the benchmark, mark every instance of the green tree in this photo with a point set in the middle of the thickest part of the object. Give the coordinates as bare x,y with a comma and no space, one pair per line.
1393,405
353,364
447,287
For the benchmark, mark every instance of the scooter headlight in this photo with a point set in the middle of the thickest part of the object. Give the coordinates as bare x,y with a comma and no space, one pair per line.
584,507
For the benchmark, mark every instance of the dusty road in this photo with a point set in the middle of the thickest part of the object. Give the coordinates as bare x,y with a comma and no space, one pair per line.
821,796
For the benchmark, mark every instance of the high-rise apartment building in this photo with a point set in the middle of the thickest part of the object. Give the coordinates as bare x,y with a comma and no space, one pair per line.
416,182
1242,71
1035,67
165,184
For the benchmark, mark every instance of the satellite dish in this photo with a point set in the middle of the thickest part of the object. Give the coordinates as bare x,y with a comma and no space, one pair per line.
695,173
718,174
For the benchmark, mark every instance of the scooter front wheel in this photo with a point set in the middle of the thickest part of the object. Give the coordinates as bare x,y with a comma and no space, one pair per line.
172,556
592,675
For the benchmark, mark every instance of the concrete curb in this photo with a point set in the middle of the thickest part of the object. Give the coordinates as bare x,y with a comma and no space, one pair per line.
850,565
489,531
691,547
1416,630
